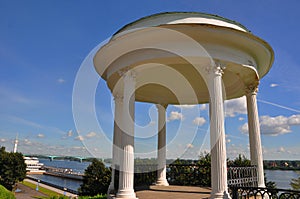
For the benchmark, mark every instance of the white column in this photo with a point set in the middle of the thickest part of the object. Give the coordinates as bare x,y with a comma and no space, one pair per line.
217,134
118,98
126,177
161,146
254,134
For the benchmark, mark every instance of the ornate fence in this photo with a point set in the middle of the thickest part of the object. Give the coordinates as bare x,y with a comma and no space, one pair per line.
183,174
195,175
242,176
256,192
242,181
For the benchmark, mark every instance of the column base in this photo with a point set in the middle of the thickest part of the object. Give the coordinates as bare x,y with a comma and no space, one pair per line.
162,182
111,188
126,194
224,195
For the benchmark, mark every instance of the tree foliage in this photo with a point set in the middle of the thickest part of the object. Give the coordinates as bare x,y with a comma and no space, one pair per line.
12,168
96,179
204,164
240,161
295,184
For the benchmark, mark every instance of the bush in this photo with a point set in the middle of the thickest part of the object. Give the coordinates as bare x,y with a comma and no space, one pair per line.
5,194
295,184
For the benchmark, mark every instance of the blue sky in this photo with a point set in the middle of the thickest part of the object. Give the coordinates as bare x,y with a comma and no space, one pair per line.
43,44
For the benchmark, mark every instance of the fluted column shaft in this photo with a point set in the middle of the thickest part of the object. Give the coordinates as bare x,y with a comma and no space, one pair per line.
127,157
254,134
161,146
118,98
217,135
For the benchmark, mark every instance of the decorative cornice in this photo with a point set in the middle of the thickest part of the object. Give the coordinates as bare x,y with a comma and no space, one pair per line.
216,69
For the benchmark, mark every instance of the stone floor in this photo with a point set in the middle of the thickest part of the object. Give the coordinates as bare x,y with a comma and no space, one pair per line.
152,192
171,192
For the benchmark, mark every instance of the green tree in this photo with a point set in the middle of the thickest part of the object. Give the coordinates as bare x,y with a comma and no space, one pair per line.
12,168
96,179
204,164
240,161
295,184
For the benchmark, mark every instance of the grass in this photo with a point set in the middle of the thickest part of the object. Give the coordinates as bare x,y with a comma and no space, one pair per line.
41,189
54,195
4,193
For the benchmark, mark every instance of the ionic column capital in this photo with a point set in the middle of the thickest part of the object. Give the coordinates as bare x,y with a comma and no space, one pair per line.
118,97
251,89
127,73
216,69
159,106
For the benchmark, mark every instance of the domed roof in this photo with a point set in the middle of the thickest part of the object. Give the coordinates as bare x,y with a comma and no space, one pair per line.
168,49
182,18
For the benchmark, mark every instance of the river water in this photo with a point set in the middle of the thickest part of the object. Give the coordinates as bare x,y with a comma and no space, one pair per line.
280,177
63,182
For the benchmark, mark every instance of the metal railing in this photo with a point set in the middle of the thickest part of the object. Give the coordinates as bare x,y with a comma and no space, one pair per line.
53,185
242,181
242,176
195,175
257,192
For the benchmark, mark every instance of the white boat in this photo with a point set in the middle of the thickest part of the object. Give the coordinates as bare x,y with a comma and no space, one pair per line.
33,166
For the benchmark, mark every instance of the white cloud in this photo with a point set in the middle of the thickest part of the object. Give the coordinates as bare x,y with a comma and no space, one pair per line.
78,148
80,138
175,115
70,133
241,119
203,107
60,80
2,140
91,134
199,121
274,126
273,85
244,128
27,142
281,150
185,106
40,135
294,120
235,107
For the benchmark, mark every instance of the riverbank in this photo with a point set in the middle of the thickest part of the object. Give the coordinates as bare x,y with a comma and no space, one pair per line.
28,191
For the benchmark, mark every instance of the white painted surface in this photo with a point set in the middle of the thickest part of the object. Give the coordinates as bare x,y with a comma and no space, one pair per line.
254,134
161,147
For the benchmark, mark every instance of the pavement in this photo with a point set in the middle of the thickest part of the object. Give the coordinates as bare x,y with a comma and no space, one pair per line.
29,193
151,192
171,192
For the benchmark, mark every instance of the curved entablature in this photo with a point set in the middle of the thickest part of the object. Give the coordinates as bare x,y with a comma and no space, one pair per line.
156,46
